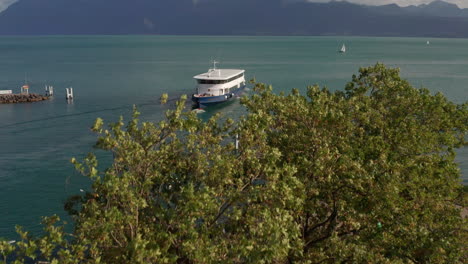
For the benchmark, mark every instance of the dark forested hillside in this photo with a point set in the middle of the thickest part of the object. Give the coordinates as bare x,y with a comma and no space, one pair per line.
229,17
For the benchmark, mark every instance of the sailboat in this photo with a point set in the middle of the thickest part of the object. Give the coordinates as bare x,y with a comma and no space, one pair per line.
427,43
343,49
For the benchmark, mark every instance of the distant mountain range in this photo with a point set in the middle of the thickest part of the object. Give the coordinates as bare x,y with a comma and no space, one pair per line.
231,17
437,8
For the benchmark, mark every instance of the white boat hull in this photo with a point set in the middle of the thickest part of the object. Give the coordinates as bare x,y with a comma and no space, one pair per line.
205,101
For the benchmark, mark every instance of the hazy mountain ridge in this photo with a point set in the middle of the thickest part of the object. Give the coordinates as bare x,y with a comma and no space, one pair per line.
228,17
436,8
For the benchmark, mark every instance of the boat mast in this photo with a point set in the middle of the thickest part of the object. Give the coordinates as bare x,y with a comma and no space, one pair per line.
213,69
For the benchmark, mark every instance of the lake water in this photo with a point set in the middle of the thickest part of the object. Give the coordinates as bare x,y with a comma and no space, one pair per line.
109,74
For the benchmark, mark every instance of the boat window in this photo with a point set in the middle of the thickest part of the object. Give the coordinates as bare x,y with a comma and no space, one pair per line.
201,81
235,77
211,81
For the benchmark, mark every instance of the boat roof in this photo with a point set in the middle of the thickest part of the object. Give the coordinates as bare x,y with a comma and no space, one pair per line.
218,74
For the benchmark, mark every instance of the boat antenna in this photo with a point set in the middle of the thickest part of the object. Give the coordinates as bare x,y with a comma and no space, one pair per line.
214,64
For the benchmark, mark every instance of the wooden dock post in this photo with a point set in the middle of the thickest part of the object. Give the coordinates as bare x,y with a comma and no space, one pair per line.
49,90
69,93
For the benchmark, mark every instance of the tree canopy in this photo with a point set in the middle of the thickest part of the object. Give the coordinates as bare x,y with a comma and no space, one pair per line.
364,175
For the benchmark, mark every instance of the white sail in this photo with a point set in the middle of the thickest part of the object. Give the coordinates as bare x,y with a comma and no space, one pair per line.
343,49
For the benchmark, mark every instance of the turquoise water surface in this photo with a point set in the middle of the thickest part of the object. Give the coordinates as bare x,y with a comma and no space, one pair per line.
109,74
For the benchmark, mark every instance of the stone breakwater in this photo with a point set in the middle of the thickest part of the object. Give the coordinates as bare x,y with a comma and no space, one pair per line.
21,98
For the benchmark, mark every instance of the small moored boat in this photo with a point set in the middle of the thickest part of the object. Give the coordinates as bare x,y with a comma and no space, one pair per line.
218,86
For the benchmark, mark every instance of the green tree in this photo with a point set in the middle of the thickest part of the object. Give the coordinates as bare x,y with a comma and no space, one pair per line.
361,175
377,162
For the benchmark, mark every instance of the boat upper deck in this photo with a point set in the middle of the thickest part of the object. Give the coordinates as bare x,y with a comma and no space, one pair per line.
219,74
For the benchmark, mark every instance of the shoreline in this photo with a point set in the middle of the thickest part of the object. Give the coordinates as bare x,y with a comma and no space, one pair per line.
22,98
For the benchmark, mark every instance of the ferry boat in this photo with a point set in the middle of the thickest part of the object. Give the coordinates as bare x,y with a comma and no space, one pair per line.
218,86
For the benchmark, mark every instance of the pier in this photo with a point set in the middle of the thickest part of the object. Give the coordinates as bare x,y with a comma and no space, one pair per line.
21,98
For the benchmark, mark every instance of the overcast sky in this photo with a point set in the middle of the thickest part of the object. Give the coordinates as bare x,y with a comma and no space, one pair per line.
461,3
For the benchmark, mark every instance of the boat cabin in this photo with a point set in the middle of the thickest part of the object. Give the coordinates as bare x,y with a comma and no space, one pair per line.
218,82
